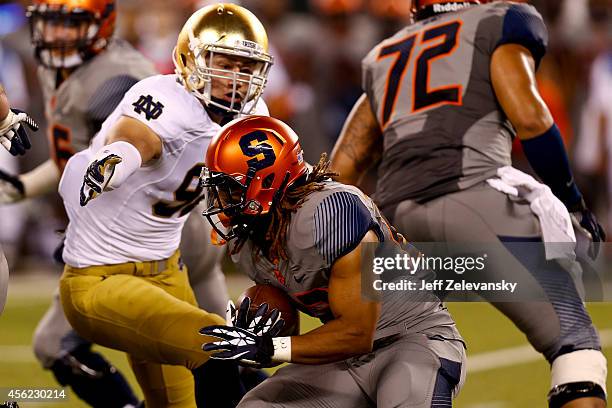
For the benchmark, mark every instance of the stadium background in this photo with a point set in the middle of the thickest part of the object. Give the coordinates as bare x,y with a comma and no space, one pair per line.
318,45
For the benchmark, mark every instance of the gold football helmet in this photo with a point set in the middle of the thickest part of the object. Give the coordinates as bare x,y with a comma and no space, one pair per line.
223,29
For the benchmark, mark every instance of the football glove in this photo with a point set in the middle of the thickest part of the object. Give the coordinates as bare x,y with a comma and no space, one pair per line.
587,220
97,177
13,135
11,188
259,324
252,344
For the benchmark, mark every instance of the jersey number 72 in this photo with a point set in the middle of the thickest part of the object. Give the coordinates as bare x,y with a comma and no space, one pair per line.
423,97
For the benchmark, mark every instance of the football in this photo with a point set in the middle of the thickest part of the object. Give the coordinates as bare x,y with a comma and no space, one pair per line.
276,299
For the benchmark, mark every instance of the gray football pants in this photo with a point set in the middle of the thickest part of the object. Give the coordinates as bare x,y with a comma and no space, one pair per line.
483,214
54,336
412,370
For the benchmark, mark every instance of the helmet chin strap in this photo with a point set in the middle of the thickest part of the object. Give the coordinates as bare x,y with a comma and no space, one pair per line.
225,115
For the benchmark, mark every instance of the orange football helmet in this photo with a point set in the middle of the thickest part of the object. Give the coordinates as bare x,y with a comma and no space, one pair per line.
422,9
66,33
250,164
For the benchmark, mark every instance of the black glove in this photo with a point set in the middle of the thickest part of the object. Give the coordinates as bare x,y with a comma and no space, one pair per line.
258,324
588,222
13,135
598,235
251,346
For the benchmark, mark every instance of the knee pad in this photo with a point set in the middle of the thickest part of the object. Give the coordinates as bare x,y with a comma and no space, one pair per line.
578,374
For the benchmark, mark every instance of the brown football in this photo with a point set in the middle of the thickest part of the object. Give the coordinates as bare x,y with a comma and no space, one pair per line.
276,299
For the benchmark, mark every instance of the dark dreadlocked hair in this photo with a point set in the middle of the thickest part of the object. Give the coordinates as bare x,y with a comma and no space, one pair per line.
279,217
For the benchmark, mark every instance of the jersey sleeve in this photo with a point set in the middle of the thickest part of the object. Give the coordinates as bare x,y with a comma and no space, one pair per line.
523,25
367,77
107,97
157,103
341,220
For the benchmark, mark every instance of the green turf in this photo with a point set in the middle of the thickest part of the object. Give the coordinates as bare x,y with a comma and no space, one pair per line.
484,328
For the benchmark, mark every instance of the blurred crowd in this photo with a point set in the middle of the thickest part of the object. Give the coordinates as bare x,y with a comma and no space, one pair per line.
318,46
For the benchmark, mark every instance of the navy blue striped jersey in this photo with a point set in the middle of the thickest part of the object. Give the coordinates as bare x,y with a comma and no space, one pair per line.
330,224
430,88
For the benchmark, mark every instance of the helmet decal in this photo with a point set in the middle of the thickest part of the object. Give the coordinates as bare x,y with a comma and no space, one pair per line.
250,164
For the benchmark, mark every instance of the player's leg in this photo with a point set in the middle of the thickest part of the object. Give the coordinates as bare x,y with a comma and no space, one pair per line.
203,262
151,318
164,386
69,357
559,328
414,370
138,314
308,386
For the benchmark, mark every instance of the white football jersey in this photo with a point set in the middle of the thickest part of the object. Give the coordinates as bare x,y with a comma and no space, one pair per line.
142,220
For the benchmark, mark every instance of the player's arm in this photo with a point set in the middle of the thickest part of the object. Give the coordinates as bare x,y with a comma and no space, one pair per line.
4,103
352,331
42,180
514,82
13,135
130,144
359,146
513,79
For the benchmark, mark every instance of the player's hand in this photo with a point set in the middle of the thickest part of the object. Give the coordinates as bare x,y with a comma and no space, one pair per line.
587,220
11,188
251,345
260,323
97,177
13,135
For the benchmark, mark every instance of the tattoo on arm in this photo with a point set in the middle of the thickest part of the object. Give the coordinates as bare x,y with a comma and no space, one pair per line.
359,146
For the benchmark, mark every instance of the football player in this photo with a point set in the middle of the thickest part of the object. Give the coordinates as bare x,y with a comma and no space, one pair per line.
444,98
14,137
128,197
291,226
83,81
83,72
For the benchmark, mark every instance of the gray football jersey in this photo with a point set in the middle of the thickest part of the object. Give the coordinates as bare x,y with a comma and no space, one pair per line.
77,107
330,224
430,88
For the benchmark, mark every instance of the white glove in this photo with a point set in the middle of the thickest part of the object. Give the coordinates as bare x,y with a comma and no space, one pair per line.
13,135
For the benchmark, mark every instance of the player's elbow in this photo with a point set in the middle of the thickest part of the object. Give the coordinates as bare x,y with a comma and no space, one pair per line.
532,122
360,340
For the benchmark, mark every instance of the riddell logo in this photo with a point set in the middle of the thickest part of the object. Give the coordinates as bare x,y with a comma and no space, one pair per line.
445,8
